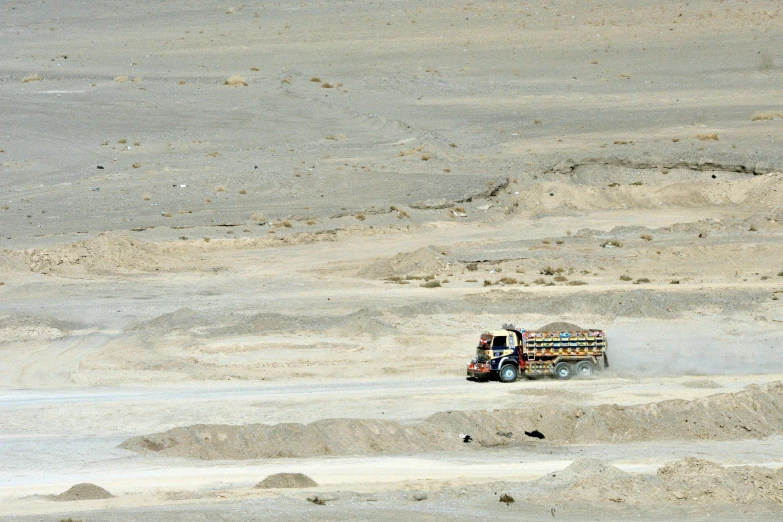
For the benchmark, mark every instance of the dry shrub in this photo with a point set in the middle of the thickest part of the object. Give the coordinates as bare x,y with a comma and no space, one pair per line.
137,79
626,278
707,136
768,115
213,154
166,214
311,222
472,267
540,281
121,79
220,188
674,282
258,217
147,197
243,191
255,69
611,243
576,283
641,280
137,144
315,79
360,217
506,498
236,81
31,78
509,281
181,82
327,85
561,278
753,228
286,224
426,157
136,165
646,237
431,284
620,142
122,141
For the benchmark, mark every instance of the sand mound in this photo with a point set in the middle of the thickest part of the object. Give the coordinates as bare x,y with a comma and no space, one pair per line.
559,326
688,480
753,413
104,254
83,491
185,320
324,437
28,328
702,383
287,480
420,263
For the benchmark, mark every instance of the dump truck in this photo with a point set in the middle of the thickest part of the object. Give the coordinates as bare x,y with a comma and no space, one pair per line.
511,352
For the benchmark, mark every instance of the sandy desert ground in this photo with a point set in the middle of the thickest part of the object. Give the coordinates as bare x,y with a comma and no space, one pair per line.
238,240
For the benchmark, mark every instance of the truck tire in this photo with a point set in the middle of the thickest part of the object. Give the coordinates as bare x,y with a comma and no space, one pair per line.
508,373
563,371
585,369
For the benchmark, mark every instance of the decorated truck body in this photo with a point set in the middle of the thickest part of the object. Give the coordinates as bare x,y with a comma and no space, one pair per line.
511,352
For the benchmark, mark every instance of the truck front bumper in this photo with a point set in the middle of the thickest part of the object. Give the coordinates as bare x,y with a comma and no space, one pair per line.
478,370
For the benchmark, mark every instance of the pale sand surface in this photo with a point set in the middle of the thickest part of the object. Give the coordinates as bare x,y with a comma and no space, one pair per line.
254,254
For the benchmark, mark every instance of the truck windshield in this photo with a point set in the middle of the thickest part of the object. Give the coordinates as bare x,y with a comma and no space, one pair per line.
499,341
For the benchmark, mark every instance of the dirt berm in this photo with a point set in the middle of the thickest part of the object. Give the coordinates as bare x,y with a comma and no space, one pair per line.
753,413
687,481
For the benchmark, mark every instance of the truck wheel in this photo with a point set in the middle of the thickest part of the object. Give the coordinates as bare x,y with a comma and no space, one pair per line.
508,373
585,369
563,371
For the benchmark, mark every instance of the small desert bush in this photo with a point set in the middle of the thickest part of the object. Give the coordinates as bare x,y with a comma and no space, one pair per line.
122,141
147,197
236,81
136,165
707,136
540,281
509,281
472,267
576,283
121,79
641,280
31,78
471,280
258,217
674,282
316,500
764,116
780,274
753,228
286,224
220,188
327,85
561,278
646,237
243,191
626,278
311,222
431,284
360,217
315,79
487,282
609,243
506,498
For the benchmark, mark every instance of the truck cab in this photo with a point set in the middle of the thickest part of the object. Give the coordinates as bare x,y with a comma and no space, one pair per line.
497,350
